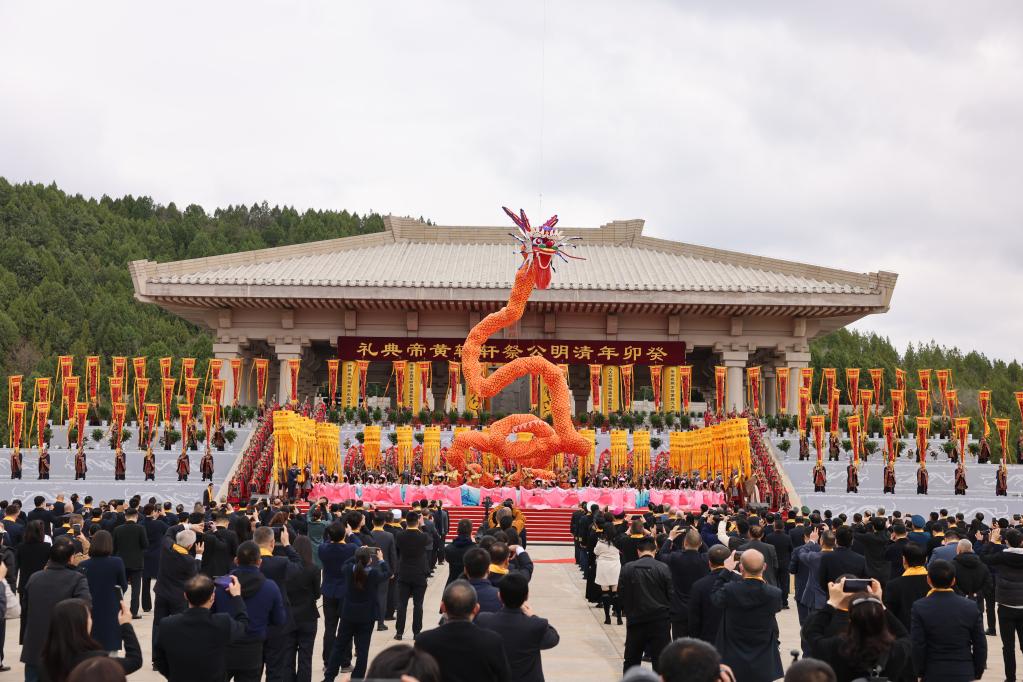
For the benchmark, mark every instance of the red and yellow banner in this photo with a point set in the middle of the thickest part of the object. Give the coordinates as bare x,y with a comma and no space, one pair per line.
817,426
1002,427
152,413
141,389
166,396
923,402
185,415
888,425
119,366
924,375
923,432
294,366
1019,402
362,366
64,366
782,389
400,380
116,389
209,416
16,415
333,365
984,402
853,423
952,402
852,382
877,382
119,413
655,384
69,396
217,388
866,400
804,409
720,389
833,401
139,365
191,388
898,408
685,386
827,386
166,366
627,387
42,410
595,373
900,380
188,367
962,433
753,388
42,392
943,375
92,378
806,376
81,413
236,376
261,366
454,381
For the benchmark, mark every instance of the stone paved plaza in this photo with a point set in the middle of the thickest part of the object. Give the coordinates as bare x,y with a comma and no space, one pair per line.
589,650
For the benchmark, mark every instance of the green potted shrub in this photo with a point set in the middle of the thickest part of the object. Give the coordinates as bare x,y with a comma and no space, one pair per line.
785,446
670,420
419,436
656,420
655,443
360,436
97,435
378,415
393,437
230,435
685,421
453,416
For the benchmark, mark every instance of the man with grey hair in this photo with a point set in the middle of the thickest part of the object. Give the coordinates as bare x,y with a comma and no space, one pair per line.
973,577
687,566
748,635
180,559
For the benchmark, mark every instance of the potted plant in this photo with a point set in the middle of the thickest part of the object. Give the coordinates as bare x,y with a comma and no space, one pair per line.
393,437
377,415
360,436
419,437
453,416
785,446
97,435
655,443
669,420
230,435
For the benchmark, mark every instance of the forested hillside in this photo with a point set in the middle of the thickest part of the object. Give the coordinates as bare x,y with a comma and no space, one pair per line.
64,280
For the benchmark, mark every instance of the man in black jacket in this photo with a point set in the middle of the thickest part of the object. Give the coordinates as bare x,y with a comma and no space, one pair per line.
901,593
748,636
192,645
687,566
644,593
384,539
947,632
130,543
871,543
756,541
843,561
1008,593
464,651
220,547
524,634
177,565
782,543
704,616
412,546
278,562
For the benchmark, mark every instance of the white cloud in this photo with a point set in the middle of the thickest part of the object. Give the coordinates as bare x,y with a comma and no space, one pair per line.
867,136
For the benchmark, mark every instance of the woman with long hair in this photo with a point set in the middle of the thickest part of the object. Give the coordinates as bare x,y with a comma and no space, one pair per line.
107,584
359,613
609,565
303,593
872,641
69,642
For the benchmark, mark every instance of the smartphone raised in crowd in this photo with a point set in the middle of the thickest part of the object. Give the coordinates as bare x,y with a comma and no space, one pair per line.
856,585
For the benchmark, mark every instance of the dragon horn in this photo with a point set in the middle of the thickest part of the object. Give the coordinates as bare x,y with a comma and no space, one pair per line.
515,218
551,222
525,220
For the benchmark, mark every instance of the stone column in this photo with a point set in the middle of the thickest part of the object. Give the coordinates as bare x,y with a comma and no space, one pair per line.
285,352
225,352
795,361
770,390
735,361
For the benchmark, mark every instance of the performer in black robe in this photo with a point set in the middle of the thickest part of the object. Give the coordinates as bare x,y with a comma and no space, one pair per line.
820,478
149,464
1001,482
804,447
44,465
183,466
833,450
120,465
16,463
852,483
81,466
922,479
889,479
960,485
984,454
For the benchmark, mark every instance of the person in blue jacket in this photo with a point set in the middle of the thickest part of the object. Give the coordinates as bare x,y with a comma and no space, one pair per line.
338,549
363,576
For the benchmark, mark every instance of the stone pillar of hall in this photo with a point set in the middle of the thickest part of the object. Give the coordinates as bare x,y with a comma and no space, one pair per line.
284,353
770,390
795,361
225,352
735,391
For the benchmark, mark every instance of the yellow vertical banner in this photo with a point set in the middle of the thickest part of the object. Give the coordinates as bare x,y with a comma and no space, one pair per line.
349,384
610,398
676,452
640,452
627,386
669,389
404,434
587,461
545,399
371,447
720,389
333,364
619,450
431,450
685,387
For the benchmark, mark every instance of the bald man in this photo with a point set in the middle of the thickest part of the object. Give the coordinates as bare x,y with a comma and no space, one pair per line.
748,636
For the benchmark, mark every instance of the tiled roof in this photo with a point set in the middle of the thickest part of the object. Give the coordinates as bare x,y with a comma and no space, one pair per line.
640,264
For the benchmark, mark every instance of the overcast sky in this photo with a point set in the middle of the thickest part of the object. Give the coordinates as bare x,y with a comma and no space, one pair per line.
867,136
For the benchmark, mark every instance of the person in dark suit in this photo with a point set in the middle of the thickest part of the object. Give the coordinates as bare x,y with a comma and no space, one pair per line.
107,584
130,543
893,552
756,541
193,645
843,561
801,569
279,561
901,593
524,634
360,611
41,513
177,565
748,635
782,543
644,594
947,631
220,547
456,549
413,546
334,554
687,566
384,539
477,571
872,544
704,616
156,529
303,588
464,651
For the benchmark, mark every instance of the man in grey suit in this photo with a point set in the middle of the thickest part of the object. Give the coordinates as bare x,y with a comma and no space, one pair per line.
384,539
756,534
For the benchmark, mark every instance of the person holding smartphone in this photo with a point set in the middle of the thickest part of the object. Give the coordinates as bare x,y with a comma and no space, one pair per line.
107,583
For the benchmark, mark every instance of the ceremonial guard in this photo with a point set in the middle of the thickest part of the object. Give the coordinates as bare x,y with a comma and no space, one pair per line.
1001,481
218,437
833,450
1019,447
921,479
183,466
16,463
80,464
984,454
820,478
149,464
955,457
852,484
889,478
804,447
44,465
120,466
206,466
960,479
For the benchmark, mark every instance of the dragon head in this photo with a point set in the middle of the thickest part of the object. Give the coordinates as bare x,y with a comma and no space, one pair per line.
539,246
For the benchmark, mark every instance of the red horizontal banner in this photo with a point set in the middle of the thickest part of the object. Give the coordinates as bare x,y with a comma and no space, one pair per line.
504,350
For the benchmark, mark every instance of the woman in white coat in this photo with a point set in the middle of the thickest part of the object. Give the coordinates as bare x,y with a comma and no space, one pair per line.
609,565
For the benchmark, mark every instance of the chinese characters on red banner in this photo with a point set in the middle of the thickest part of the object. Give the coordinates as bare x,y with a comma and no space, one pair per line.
504,350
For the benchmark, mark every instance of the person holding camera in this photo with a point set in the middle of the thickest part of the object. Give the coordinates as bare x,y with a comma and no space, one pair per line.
872,645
